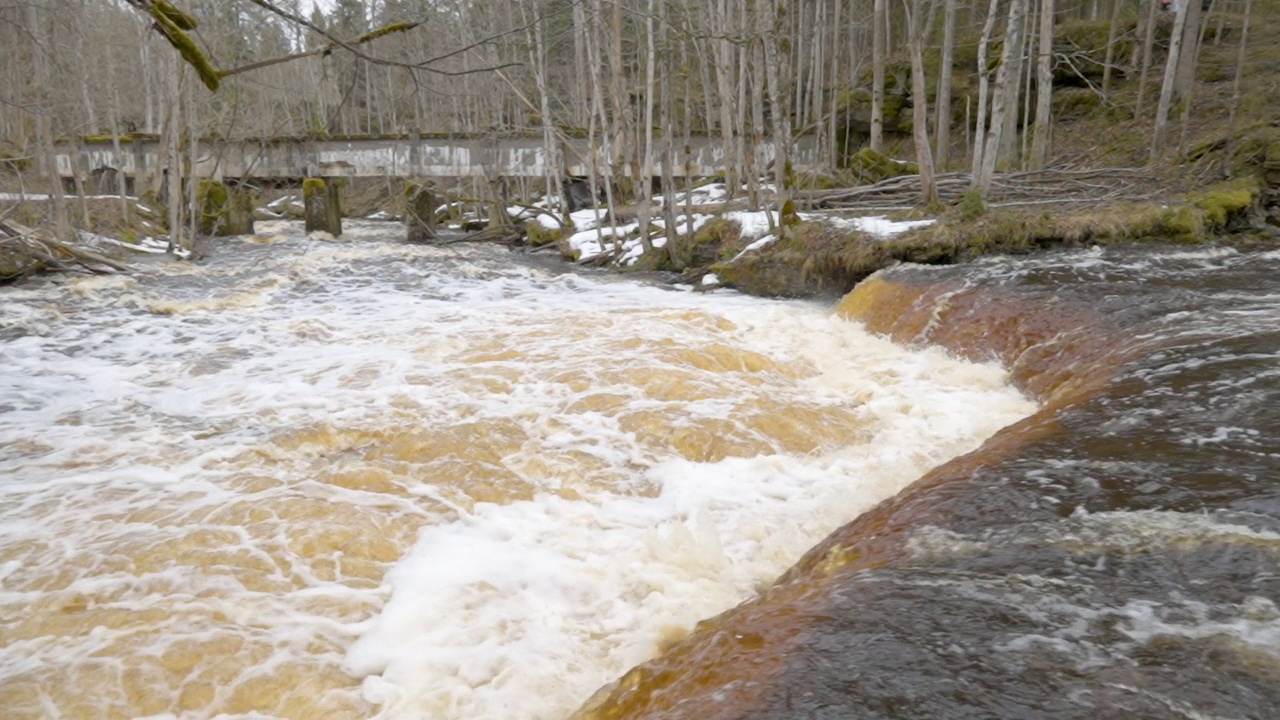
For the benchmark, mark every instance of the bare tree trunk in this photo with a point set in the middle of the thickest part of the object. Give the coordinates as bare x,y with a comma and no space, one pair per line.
984,75
646,175
1000,106
580,72
668,139
726,63
44,121
623,149
553,174
1009,138
778,64
1241,53
175,155
1041,141
942,123
1166,89
1188,97
122,185
1111,46
920,104
1186,66
832,144
877,75
1148,39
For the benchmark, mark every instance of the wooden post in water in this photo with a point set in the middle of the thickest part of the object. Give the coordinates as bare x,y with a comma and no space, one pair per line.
419,211
321,207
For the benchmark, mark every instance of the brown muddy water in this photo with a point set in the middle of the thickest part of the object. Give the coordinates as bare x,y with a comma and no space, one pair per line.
364,479
1115,555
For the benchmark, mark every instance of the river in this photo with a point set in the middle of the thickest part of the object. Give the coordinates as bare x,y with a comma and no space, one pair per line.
310,479
1115,555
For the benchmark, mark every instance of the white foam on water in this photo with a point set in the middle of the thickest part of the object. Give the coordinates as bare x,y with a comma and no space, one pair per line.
340,480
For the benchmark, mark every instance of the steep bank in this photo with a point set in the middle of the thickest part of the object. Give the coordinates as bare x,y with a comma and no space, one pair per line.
1113,555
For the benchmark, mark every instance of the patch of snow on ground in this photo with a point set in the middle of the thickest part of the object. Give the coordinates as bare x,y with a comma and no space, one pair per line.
589,243
754,224
547,221
763,242
878,225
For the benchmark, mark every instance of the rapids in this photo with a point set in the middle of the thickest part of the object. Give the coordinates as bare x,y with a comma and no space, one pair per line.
1115,555
343,480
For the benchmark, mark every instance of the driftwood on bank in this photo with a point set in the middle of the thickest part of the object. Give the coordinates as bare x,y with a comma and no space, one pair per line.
1038,186
31,250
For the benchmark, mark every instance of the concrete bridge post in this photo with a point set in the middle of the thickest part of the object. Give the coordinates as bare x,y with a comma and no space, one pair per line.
419,211
224,210
321,207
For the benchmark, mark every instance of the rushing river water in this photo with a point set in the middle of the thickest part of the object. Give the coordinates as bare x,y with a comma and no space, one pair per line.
340,480
1116,555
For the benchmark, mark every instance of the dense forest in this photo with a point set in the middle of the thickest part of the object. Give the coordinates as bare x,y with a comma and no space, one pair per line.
954,86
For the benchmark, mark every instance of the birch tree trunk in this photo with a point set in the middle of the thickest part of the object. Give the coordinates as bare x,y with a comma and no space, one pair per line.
778,63
1013,90
942,122
1111,46
1166,89
1000,106
920,104
877,75
668,140
1193,18
1229,148
726,62
980,129
175,155
1041,138
1148,40
646,175
44,120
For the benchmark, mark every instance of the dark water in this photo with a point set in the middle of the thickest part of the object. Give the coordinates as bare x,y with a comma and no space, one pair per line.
1116,555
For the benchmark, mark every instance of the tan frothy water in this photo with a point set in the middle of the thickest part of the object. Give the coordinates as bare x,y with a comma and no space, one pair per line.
345,480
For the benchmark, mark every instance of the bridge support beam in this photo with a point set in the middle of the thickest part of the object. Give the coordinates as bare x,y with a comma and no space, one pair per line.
322,209
419,211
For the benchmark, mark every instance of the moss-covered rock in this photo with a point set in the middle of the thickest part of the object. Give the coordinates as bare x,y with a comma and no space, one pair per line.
539,235
707,245
869,166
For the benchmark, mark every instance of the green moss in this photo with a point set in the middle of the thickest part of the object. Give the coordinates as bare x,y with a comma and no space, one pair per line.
104,139
788,217
870,166
971,205
385,30
186,48
1180,223
1225,200
212,199
312,187
539,235
180,18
